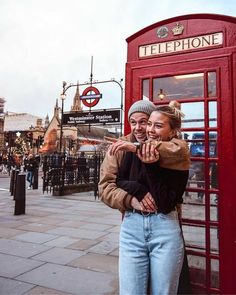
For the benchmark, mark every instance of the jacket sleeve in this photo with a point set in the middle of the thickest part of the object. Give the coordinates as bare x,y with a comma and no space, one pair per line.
174,154
109,193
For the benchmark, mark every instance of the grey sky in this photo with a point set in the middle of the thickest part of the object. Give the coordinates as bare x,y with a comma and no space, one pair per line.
45,42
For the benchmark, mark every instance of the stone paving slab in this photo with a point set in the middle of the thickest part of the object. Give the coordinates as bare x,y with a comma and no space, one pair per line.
92,226
12,287
59,255
115,229
115,253
72,280
104,247
67,217
36,227
6,232
97,262
61,242
11,223
72,223
45,291
36,212
35,237
114,237
105,220
83,244
44,220
21,249
12,266
77,233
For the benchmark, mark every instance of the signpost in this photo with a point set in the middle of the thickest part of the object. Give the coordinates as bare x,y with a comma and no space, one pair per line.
87,98
96,117
90,98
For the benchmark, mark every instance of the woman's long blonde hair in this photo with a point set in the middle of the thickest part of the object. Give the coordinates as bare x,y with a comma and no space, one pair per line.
173,112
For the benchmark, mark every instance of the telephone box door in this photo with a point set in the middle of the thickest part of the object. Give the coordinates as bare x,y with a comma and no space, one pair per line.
202,88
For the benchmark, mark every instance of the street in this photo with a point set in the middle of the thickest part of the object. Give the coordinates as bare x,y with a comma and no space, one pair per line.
60,246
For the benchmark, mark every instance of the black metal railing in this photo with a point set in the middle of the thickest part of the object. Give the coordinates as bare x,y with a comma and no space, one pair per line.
65,174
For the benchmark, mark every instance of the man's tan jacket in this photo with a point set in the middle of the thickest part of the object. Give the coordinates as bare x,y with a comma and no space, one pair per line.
174,154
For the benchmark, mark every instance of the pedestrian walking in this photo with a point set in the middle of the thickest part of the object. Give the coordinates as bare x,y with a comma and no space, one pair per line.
30,165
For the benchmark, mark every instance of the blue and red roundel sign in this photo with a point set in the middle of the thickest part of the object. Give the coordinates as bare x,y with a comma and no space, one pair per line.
91,99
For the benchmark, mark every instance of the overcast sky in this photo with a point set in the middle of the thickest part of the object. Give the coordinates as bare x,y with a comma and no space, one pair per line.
45,42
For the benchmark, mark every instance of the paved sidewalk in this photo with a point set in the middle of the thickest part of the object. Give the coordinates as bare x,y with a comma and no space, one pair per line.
61,245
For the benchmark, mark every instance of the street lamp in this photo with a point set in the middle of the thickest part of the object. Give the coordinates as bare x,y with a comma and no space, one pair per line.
161,95
63,97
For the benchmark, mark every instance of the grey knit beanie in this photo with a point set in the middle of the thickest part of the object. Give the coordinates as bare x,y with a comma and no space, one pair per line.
142,106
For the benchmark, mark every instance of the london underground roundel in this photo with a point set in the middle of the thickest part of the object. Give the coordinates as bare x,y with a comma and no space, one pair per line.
91,99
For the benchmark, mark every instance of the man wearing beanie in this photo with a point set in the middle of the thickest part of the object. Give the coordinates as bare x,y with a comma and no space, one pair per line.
142,106
171,153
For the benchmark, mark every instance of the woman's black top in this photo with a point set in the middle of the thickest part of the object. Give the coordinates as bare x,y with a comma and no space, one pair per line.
165,185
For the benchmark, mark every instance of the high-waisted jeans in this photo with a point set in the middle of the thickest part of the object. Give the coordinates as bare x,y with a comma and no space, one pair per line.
150,246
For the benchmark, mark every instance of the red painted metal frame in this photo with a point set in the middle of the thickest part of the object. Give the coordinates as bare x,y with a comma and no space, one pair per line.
222,60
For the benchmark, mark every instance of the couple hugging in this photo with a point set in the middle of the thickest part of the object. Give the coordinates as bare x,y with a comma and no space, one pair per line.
144,175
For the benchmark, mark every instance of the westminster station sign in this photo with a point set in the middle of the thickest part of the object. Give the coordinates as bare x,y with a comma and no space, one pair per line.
198,42
98,117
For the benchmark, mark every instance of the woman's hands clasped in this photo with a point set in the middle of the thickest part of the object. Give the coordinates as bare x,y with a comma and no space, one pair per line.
146,205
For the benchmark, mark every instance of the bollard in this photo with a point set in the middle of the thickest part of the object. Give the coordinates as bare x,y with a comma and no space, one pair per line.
13,171
20,194
14,182
35,178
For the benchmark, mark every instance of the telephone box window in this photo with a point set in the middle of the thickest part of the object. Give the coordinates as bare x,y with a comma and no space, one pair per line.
212,114
214,240
213,145
215,273
214,207
197,265
195,236
196,142
212,84
213,172
179,87
193,119
145,86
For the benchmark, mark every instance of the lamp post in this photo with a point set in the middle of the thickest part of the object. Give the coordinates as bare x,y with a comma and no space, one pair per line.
63,97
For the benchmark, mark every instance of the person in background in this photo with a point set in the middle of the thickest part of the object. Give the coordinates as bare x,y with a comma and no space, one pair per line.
30,165
83,169
199,176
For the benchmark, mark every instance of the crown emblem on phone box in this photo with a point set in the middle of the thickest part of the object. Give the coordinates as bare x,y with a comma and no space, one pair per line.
178,29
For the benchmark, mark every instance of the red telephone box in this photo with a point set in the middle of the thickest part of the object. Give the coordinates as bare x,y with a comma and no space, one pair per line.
192,59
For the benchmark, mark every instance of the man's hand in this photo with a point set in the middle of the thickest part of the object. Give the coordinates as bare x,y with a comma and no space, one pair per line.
121,145
148,153
136,204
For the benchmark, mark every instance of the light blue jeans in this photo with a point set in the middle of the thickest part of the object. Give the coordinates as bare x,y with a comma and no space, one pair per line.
150,245
30,178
